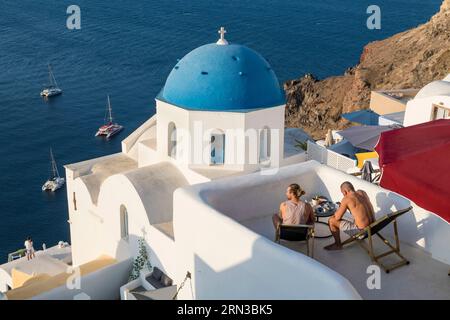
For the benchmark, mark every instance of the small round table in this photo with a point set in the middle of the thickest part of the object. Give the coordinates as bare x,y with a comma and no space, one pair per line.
323,214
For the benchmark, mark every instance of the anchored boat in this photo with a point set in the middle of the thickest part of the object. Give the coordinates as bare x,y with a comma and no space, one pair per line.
55,181
109,128
52,89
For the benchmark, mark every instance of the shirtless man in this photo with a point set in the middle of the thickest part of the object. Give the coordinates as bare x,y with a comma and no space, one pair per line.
358,203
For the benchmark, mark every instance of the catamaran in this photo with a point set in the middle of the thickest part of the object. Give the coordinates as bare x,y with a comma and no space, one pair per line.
109,128
52,89
55,181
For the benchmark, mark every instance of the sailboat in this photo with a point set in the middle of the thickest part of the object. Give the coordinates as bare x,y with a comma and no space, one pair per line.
55,181
109,128
52,89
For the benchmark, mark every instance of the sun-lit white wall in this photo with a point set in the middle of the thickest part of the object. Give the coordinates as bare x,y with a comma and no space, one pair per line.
204,121
421,110
86,240
272,118
95,229
145,131
199,123
166,114
5,280
117,191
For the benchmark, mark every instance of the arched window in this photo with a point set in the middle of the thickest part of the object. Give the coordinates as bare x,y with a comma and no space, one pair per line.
217,148
123,223
264,144
172,141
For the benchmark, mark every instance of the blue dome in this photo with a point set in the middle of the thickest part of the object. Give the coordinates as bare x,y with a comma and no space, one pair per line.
222,78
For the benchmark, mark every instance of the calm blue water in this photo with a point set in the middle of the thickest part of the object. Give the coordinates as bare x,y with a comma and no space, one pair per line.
126,49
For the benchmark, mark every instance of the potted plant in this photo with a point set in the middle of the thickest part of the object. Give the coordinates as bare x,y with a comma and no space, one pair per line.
141,262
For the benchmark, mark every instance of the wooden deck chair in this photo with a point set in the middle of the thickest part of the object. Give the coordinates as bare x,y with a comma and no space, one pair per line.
297,232
374,229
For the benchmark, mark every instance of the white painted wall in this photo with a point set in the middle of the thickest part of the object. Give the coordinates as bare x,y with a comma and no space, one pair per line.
330,157
273,118
103,284
148,153
5,280
167,113
85,223
95,230
146,131
222,121
421,110
298,158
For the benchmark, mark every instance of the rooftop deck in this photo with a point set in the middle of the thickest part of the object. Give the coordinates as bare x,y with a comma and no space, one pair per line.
51,261
240,228
423,278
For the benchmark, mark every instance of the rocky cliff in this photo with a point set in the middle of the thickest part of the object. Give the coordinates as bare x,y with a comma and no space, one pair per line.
409,59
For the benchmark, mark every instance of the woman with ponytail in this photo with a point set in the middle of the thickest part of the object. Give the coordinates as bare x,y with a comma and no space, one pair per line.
294,210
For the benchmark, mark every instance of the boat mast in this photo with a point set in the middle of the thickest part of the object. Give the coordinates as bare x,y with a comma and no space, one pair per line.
55,172
52,77
109,110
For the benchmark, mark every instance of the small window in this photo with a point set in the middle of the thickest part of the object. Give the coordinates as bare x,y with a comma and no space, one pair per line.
74,202
264,144
217,148
123,222
440,112
172,141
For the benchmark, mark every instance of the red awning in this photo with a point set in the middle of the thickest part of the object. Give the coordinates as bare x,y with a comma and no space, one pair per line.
415,162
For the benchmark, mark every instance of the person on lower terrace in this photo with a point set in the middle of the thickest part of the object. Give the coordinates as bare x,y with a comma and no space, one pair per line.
358,203
29,248
294,210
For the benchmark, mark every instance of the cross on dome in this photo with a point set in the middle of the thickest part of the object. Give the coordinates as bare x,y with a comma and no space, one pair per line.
222,40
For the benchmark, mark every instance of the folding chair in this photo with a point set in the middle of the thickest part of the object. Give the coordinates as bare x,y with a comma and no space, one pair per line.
297,232
374,229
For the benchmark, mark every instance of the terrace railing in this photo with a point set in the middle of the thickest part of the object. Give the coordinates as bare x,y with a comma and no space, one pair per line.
329,158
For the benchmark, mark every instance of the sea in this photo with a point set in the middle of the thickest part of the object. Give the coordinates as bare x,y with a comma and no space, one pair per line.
126,49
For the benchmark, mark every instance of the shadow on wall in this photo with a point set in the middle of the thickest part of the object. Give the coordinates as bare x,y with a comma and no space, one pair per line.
387,202
129,249
255,198
316,186
101,284
260,277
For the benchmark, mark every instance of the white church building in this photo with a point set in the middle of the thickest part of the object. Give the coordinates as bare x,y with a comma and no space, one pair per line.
220,113
199,182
